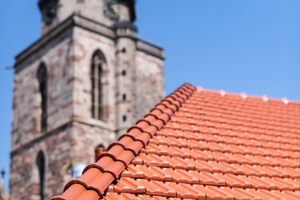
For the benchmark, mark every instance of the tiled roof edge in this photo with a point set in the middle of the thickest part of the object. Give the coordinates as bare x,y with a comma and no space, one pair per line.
97,177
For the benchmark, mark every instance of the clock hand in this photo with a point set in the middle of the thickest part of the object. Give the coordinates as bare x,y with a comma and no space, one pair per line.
115,8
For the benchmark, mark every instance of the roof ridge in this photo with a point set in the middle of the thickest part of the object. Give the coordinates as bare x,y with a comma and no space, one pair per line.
97,177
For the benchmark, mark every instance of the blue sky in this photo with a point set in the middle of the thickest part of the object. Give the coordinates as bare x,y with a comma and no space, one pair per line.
250,46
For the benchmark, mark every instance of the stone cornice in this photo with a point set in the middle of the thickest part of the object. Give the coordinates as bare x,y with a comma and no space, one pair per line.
91,25
149,48
125,32
94,26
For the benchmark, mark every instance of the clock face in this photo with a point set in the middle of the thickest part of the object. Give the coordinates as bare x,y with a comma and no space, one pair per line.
50,12
111,9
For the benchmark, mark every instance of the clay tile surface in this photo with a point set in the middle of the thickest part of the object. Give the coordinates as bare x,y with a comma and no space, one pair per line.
198,144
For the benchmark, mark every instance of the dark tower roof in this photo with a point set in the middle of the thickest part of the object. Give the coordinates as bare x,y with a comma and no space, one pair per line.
131,4
132,9
43,2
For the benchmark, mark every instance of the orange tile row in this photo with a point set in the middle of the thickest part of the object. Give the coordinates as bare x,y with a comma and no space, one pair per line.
207,108
238,158
227,116
235,169
246,111
128,196
207,178
275,137
226,123
208,119
208,138
237,128
98,176
178,128
258,169
187,191
243,114
254,121
226,146
247,170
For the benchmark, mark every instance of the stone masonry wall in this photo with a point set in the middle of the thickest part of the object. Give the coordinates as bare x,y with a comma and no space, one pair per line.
87,138
72,134
125,83
86,44
24,176
27,138
68,60
149,82
57,56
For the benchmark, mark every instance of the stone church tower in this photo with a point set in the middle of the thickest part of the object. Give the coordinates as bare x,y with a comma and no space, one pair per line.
77,88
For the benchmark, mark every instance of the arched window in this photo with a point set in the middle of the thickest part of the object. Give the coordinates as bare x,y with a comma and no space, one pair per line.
98,151
42,76
40,162
98,63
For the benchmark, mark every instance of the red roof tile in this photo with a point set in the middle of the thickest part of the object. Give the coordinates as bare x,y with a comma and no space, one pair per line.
201,145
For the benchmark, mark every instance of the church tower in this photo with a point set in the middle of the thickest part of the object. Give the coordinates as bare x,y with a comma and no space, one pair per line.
78,88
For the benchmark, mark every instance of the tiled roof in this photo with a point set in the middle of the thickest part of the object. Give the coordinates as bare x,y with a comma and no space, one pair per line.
201,144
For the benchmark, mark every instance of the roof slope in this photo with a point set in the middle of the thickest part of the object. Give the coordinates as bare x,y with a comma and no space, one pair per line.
201,145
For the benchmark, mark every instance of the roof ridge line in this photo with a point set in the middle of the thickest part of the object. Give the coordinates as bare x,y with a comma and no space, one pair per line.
97,177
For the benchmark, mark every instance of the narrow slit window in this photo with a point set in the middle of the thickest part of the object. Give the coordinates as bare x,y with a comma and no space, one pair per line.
124,118
42,76
124,97
40,162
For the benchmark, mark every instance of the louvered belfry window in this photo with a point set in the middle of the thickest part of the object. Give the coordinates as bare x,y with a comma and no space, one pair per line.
96,79
42,76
